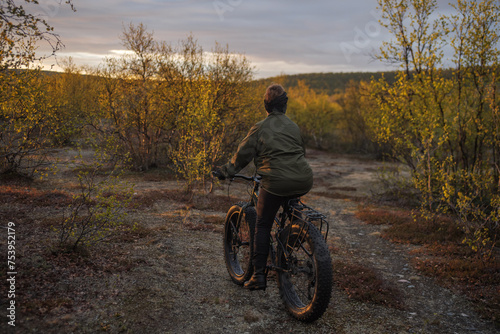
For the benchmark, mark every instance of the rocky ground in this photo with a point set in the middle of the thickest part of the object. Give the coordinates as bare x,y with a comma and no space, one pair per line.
170,276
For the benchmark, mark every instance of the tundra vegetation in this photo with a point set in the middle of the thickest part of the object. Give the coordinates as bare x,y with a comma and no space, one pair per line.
175,107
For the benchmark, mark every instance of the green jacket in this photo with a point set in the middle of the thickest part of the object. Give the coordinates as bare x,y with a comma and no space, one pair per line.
277,148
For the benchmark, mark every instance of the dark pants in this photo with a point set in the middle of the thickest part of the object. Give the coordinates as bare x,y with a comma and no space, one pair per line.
267,207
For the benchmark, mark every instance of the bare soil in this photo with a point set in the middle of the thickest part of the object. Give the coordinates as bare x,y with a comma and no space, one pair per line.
168,275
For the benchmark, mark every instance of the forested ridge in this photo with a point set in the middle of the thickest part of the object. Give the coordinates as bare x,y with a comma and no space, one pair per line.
330,83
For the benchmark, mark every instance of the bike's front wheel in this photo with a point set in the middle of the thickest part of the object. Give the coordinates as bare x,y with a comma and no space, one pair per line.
238,242
305,278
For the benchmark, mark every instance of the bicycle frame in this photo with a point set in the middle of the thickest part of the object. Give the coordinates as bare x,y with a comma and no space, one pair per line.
293,211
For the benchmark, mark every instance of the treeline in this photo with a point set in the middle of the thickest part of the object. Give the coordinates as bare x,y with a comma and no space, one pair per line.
332,83
162,105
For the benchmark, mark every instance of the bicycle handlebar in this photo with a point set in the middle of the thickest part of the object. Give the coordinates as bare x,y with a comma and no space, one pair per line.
220,176
217,173
248,178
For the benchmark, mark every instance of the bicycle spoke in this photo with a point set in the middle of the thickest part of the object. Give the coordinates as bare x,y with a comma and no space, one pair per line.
309,254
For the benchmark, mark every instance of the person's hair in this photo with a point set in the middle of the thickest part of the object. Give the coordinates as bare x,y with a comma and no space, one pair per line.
273,92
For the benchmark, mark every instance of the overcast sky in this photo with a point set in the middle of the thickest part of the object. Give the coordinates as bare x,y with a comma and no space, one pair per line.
293,36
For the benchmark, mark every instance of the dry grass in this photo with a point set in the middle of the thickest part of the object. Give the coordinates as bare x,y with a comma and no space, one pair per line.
48,269
192,200
343,188
25,195
207,223
383,217
443,255
409,227
457,267
45,287
337,195
131,233
366,284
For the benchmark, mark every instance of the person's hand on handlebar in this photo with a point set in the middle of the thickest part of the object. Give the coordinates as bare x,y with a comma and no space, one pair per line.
218,174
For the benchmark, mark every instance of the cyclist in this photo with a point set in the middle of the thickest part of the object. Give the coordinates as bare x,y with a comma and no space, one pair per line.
277,149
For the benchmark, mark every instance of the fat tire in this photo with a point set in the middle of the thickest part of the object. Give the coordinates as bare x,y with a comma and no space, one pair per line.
310,310
237,252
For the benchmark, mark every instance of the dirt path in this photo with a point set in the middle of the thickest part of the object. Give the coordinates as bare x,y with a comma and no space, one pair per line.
175,279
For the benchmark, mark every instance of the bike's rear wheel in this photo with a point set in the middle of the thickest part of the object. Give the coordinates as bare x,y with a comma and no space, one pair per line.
238,243
305,283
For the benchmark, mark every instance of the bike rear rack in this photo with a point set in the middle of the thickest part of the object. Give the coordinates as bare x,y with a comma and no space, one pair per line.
307,214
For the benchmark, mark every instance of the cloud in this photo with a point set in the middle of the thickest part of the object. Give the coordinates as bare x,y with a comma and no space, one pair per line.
291,36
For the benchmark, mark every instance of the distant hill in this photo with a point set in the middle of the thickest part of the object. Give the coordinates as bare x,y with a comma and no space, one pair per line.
329,83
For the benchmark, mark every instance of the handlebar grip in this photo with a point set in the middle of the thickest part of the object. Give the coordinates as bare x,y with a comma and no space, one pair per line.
218,174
